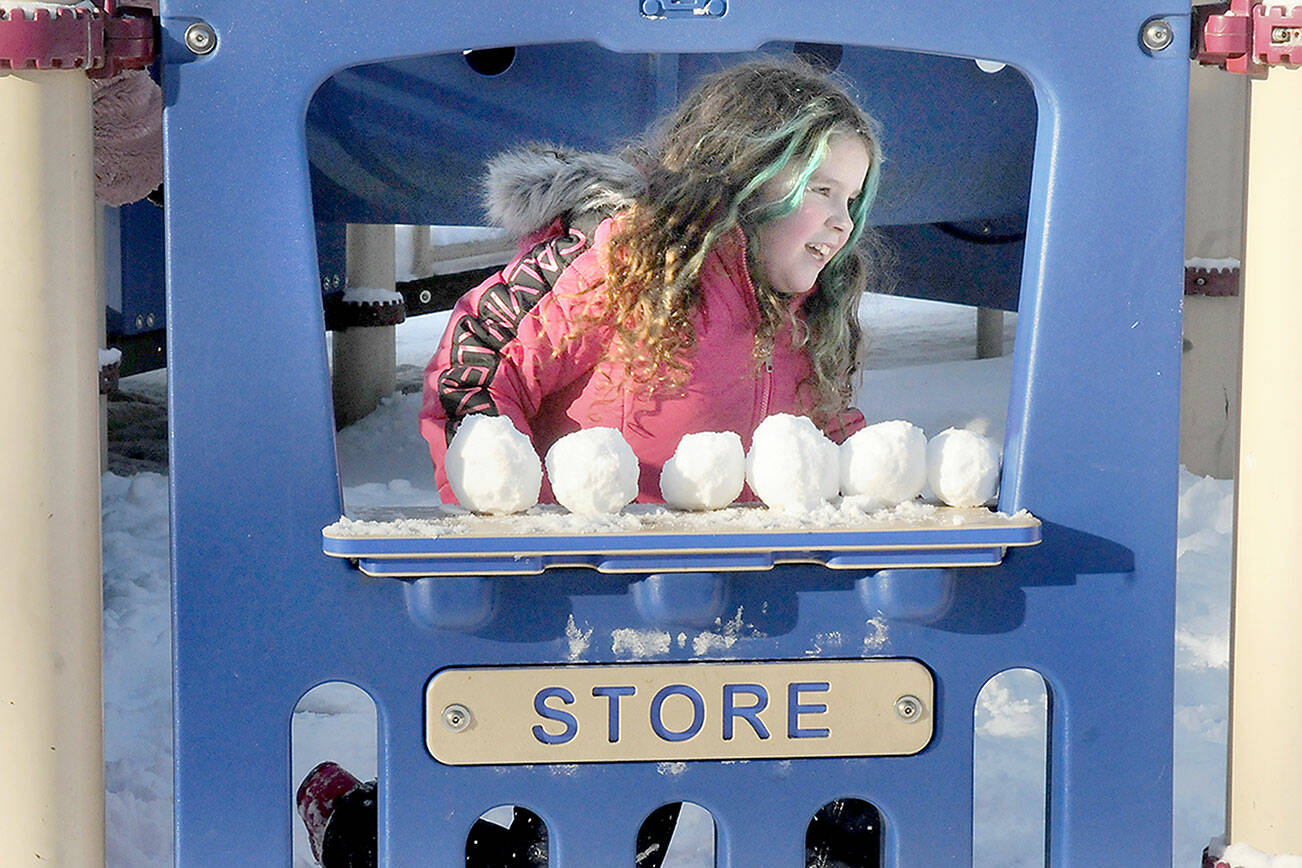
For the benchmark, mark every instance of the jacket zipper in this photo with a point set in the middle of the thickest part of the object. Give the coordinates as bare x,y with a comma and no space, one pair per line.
766,385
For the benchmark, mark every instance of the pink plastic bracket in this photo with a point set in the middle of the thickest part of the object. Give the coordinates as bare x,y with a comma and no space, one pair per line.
102,42
1248,37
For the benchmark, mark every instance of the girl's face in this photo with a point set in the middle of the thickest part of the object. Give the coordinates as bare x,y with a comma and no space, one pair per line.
793,249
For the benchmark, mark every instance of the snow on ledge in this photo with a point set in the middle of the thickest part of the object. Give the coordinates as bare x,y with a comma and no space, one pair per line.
848,513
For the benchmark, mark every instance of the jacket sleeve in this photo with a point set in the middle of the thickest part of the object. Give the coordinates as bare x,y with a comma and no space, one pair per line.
510,343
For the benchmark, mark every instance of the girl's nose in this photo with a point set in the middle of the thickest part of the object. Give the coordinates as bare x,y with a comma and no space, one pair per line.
839,218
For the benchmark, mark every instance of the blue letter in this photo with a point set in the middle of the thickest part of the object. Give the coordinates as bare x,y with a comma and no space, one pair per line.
750,713
795,709
698,712
540,706
612,695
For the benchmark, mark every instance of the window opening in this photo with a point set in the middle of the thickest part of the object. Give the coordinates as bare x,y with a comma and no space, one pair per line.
333,790
1010,770
845,833
507,836
676,835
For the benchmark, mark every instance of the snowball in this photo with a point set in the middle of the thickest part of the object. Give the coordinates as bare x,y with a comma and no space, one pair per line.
592,471
792,467
492,467
707,471
886,461
962,467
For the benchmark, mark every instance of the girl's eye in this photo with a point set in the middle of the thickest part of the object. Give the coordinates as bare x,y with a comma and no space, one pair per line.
820,189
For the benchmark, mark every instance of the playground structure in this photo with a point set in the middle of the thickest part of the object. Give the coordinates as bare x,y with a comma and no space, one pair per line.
258,605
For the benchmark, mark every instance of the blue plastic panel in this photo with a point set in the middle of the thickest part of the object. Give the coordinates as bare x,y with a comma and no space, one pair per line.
261,614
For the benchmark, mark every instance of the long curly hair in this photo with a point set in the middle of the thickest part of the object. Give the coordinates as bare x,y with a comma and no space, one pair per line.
705,165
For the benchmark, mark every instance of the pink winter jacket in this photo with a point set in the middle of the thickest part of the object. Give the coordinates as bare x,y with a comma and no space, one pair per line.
548,394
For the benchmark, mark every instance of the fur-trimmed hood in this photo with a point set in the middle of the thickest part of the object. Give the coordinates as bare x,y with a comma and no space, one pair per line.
529,186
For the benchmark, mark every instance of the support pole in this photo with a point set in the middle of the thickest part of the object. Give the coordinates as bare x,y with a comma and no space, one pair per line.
365,359
51,733
1264,807
990,333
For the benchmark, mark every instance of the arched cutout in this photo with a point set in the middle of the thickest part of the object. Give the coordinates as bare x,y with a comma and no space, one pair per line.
676,835
333,762
1009,770
844,833
507,836
490,61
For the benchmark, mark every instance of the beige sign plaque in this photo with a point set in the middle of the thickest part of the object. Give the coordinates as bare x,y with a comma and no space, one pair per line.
678,711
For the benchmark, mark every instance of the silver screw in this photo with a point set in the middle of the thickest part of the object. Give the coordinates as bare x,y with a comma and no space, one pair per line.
140,322
425,296
909,708
200,38
1157,34
456,717
149,320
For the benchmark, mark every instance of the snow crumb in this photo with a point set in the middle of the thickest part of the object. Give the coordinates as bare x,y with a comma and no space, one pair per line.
707,642
682,640
371,295
639,643
724,639
671,769
877,636
643,855
824,641
579,639
564,770
592,471
1240,855
706,471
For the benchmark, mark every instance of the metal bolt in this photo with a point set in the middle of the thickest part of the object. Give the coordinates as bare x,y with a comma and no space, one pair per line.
456,717
909,708
426,296
200,38
1157,34
149,320
140,322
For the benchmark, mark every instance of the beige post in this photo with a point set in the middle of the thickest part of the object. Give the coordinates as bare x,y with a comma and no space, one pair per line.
51,733
1264,806
365,367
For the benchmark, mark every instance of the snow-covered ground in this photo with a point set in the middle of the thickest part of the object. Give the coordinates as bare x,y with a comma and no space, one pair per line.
920,370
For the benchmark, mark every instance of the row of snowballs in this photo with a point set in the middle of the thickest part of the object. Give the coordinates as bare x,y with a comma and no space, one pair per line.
791,467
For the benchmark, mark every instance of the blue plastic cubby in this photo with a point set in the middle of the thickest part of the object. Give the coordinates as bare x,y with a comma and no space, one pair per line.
1078,145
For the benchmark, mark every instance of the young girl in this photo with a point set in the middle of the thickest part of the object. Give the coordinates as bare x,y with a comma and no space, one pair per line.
712,280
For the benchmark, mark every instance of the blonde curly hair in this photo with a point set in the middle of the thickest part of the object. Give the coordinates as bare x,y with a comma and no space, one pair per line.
704,167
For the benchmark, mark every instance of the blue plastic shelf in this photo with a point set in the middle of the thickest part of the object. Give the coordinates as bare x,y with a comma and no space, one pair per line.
438,541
